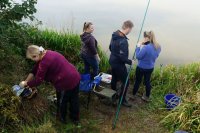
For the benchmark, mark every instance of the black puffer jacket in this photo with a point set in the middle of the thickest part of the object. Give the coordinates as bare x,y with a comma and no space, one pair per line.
89,45
119,49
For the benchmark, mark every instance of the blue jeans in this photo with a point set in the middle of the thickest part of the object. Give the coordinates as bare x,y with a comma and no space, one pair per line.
91,62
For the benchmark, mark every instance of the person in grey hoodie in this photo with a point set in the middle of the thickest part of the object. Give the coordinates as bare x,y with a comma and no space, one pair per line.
89,52
119,59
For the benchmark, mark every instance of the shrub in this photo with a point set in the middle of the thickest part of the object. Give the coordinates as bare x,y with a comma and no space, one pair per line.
8,108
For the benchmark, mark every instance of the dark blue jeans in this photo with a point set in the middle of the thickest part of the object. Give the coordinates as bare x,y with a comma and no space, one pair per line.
140,73
91,62
119,73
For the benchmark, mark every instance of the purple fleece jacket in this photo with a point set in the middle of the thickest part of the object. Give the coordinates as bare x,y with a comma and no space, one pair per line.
89,45
56,69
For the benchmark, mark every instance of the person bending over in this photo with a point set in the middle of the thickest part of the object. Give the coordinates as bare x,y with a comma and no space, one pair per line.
52,67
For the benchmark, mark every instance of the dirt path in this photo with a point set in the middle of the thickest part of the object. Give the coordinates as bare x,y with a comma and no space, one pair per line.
137,119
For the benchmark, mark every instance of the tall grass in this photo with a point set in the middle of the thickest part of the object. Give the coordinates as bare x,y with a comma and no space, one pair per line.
104,63
184,117
183,81
67,43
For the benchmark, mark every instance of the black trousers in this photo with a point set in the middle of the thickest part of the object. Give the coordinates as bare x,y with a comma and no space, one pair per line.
140,73
71,97
119,73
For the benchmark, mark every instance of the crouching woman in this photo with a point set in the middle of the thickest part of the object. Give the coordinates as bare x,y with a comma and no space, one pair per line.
52,67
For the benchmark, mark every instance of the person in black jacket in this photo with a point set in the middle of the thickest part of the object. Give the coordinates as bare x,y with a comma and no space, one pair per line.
119,58
89,49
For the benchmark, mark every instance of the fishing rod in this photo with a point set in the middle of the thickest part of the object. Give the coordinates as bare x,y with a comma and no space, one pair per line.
129,71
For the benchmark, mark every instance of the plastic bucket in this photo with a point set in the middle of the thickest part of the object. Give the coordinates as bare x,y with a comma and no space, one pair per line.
171,101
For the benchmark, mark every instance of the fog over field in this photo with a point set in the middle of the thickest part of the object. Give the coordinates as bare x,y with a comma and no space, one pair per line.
175,23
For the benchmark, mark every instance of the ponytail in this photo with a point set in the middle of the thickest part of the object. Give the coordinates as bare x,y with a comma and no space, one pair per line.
86,26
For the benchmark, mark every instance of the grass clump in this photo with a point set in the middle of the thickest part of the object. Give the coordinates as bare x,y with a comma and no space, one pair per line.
46,127
9,118
184,117
183,81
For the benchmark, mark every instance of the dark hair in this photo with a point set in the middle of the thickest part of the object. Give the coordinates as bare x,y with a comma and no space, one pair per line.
127,24
86,26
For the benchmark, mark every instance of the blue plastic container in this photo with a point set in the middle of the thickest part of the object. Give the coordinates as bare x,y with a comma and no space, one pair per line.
85,77
85,83
171,101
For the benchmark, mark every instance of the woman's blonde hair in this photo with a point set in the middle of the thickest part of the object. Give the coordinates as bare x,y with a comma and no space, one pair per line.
34,50
152,38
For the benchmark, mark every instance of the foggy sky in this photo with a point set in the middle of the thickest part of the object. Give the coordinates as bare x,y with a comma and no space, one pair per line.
176,23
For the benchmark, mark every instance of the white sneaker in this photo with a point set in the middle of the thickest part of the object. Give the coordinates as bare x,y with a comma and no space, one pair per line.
145,98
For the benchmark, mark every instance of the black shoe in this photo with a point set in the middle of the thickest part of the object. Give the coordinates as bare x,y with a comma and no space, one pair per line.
126,104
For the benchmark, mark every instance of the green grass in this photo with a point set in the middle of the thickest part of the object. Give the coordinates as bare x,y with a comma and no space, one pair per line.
13,55
67,43
183,81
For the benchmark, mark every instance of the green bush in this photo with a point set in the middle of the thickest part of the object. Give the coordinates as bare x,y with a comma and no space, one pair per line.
8,108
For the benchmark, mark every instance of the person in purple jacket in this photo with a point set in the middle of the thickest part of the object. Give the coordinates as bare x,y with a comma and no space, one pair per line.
52,67
89,51
146,53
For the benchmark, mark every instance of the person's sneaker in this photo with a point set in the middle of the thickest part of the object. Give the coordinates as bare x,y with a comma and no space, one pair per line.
126,104
145,98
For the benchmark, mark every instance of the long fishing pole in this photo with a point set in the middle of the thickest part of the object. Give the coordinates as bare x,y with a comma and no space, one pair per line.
129,71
